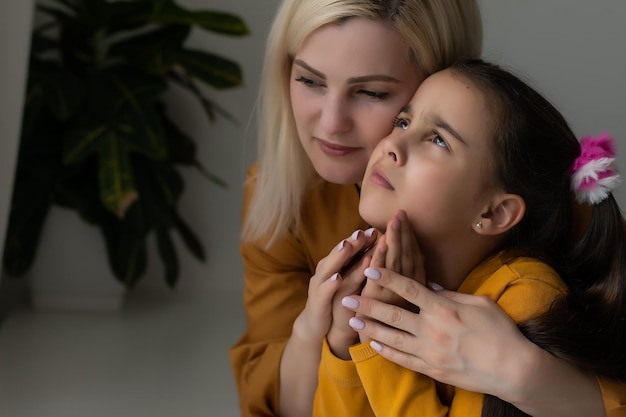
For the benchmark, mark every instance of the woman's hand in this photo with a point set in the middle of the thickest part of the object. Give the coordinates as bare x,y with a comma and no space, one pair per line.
459,339
314,322
340,335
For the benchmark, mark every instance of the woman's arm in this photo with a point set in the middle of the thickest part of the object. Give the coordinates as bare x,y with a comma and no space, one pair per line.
447,340
300,362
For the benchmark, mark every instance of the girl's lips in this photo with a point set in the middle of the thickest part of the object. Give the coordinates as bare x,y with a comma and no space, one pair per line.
378,177
332,149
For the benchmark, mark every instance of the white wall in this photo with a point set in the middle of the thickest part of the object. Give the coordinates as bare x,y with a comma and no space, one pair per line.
573,51
15,23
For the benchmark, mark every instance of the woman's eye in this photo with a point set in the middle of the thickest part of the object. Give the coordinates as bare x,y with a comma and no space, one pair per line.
307,81
439,141
374,94
401,123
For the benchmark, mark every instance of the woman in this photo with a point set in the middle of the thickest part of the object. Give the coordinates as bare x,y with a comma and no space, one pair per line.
336,74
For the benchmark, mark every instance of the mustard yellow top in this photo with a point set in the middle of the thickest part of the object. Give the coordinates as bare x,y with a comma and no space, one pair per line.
276,283
275,291
370,385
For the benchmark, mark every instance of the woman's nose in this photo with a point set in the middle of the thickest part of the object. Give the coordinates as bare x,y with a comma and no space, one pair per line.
335,116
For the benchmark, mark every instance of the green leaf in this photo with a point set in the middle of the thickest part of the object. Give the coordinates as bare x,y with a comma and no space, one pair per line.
130,259
181,147
61,90
168,255
191,240
167,11
26,220
115,177
211,69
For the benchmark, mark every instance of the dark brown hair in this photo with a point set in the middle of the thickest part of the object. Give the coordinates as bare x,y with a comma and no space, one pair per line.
534,149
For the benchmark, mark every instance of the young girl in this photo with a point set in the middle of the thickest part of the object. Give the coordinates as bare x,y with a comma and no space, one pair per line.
484,167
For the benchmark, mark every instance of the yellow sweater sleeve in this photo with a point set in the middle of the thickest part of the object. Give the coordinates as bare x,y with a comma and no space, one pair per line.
614,396
339,391
393,390
276,282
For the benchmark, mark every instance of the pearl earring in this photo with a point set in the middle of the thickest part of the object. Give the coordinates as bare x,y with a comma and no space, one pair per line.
479,225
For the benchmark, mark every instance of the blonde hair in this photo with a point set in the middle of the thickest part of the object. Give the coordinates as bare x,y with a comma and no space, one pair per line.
437,32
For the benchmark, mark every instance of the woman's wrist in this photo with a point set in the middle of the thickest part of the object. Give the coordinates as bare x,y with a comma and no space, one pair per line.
540,384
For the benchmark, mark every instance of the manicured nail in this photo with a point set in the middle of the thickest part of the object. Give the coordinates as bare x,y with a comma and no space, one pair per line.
376,346
355,235
334,276
341,245
350,302
356,324
372,273
434,286
369,232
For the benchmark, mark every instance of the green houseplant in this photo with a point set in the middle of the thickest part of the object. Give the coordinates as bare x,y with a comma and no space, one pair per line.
96,136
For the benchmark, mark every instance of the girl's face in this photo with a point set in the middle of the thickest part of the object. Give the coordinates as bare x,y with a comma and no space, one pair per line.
435,164
348,82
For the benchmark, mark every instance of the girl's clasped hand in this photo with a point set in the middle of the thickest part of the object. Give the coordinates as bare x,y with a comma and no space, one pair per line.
341,277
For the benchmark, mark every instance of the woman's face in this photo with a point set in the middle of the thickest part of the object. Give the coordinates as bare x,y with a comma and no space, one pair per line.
436,163
348,83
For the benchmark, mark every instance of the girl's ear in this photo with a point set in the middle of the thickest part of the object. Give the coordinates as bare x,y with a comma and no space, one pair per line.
504,212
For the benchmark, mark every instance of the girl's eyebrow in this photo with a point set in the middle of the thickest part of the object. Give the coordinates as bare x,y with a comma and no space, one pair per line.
442,124
353,80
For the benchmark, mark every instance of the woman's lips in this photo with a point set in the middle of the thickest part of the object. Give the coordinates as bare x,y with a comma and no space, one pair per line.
332,149
379,178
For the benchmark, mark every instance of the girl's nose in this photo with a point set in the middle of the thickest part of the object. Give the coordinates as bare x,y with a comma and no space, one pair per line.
335,116
393,148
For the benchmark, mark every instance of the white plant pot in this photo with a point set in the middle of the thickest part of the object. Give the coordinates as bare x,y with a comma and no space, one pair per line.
71,270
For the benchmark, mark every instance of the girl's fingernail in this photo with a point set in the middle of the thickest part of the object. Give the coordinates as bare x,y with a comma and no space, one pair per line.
434,286
341,245
355,235
350,302
376,346
369,232
372,273
356,324
334,276
401,215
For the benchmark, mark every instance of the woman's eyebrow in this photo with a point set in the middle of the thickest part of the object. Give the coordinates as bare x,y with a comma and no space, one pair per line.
307,67
353,80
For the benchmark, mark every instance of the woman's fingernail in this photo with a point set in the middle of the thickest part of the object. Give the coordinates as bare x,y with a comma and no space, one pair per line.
350,302
356,324
341,245
334,276
434,286
401,215
355,235
372,273
369,232
376,346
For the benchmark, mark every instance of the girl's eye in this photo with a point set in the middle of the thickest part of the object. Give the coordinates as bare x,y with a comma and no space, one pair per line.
308,81
439,141
401,123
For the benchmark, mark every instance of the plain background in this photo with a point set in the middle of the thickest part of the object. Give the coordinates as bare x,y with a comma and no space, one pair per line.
572,50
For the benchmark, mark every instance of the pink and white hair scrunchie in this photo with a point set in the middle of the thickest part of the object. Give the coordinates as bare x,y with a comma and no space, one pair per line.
594,172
